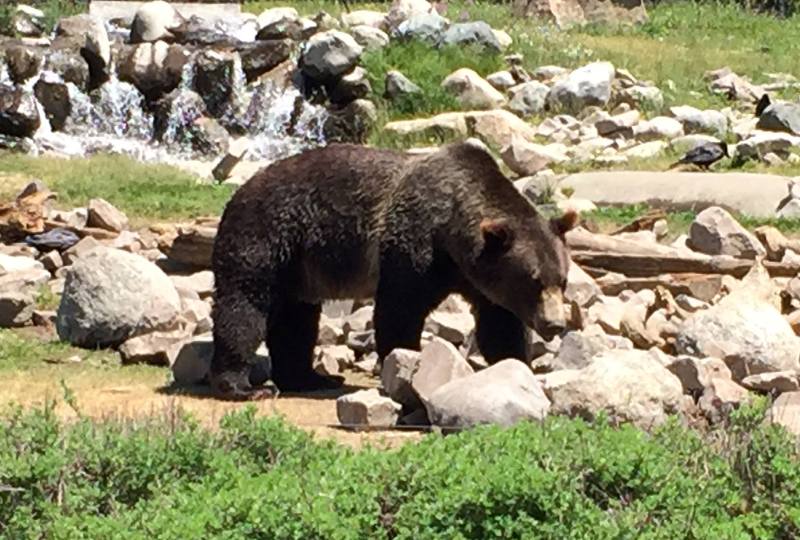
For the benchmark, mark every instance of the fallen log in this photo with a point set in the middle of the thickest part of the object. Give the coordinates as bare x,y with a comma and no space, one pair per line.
701,286
650,265
580,239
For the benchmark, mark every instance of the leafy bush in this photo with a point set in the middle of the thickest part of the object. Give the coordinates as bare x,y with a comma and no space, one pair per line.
259,478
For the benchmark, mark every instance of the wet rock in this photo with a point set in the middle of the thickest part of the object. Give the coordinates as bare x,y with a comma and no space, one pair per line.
586,86
472,33
370,38
263,56
398,86
367,408
54,98
440,362
329,55
103,215
154,69
209,137
155,348
23,63
629,386
18,114
715,232
16,309
215,81
352,86
175,116
91,36
776,382
154,21
472,90
528,99
397,374
351,123
503,394
111,296
781,116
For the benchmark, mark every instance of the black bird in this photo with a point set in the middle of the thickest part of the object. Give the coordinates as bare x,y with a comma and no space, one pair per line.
703,155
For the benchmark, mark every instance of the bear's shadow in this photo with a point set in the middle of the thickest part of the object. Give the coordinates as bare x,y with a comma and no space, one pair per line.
204,391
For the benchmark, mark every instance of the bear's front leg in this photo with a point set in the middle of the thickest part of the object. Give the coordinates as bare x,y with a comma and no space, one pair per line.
498,332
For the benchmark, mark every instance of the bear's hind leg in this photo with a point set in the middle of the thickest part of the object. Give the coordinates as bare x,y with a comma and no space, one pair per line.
499,333
291,338
239,326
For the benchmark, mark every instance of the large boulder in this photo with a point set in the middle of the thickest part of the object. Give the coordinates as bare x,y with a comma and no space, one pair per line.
263,56
715,232
440,362
69,65
91,36
745,329
329,55
628,385
528,99
154,21
19,116
504,394
53,94
23,62
154,68
215,80
781,116
584,87
111,296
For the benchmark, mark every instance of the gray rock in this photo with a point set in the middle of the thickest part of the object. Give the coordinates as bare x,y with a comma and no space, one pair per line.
16,309
18,114
781,116
197,313
428,27
153,68
397,374
364,17
629,386
103,215
698,121
715,232
527,158
503,394
639,97
352,123
154,21
584,87
201,283
352,86
581,289
696,374
454,327
28,21
402,10
90,34
367,408
579,347
764,143
502,80
263,56
528,99
399,86
193,361
746,330
328,55
776,382
111,296
472,90
215,80
472,33
272,16
440,362
660,127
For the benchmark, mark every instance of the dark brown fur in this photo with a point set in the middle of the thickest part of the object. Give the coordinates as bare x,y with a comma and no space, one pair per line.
348,221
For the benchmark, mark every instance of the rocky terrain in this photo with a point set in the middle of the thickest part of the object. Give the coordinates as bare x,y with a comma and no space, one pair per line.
694,327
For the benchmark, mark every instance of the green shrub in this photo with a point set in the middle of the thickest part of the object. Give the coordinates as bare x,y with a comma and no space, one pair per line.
259,478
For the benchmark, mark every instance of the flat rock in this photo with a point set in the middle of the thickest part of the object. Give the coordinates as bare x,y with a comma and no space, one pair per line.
472,90
156,348
367,408
756,195
715,232
503,394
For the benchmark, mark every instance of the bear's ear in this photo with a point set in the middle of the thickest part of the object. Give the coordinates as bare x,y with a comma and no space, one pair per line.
562,225
497,235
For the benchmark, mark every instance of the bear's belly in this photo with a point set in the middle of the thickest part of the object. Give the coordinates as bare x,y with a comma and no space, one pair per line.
348,275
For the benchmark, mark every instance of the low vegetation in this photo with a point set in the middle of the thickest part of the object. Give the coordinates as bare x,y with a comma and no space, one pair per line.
260,478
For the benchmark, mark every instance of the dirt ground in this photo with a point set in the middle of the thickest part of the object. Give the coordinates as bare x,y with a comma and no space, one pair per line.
103,390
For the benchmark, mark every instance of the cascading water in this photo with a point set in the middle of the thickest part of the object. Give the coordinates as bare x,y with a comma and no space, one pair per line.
274,120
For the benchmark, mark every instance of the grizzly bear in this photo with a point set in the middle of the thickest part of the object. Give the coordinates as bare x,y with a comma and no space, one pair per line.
347,221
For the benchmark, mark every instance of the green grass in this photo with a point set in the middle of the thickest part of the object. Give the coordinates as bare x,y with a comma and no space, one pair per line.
22,352
140,190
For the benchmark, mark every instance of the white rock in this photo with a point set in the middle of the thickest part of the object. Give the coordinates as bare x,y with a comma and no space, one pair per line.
397,373
201,283
630,386
12,263
588,85
156,348
370,38
503,394
440,362
364,17
528,99
272,16
472,90
646,150
111,296
358,321
660,127
367,408
697,121
581,289
527,158
502,80
155,21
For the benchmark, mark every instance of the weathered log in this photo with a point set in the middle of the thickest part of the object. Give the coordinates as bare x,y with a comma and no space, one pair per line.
580,239
701,286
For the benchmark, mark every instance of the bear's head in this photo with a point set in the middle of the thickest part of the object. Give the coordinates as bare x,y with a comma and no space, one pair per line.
523,264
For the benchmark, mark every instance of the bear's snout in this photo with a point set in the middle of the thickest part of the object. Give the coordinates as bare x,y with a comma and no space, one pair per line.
550,320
